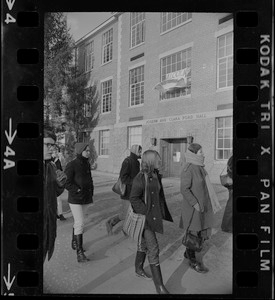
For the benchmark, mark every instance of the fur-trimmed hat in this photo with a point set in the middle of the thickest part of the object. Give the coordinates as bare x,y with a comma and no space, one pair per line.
80,147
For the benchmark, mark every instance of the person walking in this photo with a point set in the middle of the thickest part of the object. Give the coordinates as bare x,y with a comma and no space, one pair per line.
129,169
54,183
81,189
57,162
198,194
155,210
226,225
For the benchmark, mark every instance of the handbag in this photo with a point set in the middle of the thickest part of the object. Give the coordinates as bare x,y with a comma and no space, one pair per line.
226,181
119,187
134,223
192,241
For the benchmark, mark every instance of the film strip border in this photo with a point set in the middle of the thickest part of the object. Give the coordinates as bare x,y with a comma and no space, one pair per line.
22,159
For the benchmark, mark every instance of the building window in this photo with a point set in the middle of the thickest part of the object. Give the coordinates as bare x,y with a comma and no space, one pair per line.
137,86
106,92
176,75
134,136
89,57
224,137
107,42
137,28
104,138
225,60
172,20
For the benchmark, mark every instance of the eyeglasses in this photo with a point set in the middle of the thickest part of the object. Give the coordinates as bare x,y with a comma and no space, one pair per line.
49,145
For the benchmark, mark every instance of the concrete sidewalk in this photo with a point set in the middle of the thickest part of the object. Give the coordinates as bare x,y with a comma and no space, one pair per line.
111,269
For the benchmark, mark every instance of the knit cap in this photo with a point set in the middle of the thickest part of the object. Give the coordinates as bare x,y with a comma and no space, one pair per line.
80,147
194,148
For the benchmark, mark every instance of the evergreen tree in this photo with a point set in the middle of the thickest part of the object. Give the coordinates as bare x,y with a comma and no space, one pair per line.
81,107
58,54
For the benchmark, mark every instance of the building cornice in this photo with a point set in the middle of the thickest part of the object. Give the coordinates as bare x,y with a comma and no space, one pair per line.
109,21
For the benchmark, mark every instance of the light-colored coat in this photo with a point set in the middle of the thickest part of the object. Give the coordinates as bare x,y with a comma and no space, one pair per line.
194,190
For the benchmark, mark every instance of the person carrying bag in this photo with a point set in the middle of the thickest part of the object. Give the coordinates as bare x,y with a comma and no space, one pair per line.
155,210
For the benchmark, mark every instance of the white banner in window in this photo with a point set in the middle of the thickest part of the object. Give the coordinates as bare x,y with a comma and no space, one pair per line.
173,80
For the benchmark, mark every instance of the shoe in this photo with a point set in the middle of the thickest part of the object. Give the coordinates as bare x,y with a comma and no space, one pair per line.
111,223
198,267
81,257
157,278
139,262
74,245
62,218
57,216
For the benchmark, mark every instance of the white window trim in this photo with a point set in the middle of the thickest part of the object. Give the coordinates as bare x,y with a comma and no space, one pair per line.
101,82
103,155
177,49
218,89
139,64
137,45
92,57
102,54
181,24
132,47
224,31
215,155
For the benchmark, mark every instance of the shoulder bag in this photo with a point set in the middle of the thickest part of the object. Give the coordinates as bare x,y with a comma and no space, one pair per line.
119,187
190,240
134,223
226,181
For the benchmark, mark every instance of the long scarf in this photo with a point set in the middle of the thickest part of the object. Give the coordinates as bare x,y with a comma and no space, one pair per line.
194,158
212,195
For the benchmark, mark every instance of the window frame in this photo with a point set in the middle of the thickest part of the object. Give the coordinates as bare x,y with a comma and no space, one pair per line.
101,144
223,128
134,28
107,45
129,128
110,95
89,57
135,85
227,59
188,64
179,14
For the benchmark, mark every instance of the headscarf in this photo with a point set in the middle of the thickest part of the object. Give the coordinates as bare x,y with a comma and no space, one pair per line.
194,158
135,149
80,147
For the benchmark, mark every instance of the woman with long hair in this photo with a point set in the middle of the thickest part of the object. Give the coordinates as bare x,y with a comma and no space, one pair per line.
81,189
155,209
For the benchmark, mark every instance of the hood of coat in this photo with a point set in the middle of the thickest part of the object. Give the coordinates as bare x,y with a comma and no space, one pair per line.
80,147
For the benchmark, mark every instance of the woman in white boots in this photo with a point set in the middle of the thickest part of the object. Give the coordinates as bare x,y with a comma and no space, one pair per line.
81,189
155,209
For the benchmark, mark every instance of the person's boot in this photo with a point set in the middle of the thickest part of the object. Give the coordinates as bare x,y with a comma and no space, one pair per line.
81,257
157,277
194,264
111,223
139,262
73,241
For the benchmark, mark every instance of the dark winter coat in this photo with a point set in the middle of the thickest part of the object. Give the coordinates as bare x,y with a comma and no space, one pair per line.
194,190
79,181
51,191
129,169
156,208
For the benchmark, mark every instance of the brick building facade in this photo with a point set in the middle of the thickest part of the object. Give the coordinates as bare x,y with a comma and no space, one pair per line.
165,79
